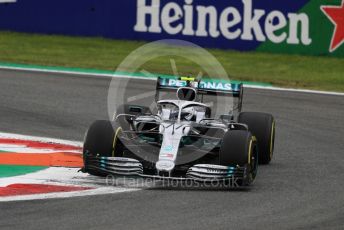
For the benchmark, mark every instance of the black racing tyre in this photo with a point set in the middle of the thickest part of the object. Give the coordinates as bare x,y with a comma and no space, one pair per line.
101,140
239,147
262,126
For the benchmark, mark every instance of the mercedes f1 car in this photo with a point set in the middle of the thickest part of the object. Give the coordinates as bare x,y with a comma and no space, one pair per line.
182,140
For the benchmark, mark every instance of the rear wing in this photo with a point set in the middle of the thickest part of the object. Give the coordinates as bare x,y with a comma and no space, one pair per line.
203,87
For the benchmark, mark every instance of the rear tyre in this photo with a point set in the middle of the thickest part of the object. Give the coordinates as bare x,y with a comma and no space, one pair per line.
262,126
239,147
101,139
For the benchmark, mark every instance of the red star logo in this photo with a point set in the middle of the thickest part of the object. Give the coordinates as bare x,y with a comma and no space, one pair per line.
336,16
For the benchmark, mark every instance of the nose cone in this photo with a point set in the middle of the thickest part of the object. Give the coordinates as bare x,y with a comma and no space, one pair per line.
164,165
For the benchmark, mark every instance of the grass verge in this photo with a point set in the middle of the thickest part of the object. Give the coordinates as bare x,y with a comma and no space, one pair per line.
320,73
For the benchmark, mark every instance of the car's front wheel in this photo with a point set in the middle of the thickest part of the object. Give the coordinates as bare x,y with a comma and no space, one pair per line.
239,147
101,140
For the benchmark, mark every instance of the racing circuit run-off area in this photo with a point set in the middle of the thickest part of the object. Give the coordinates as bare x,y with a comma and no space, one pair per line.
185,114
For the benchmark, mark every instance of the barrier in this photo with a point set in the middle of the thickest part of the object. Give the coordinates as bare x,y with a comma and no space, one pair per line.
311,27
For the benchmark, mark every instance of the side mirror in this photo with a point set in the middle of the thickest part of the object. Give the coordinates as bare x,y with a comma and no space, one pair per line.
227,117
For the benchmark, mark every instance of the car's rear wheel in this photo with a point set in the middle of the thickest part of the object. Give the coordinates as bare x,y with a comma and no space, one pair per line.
101,139
262,126
239,147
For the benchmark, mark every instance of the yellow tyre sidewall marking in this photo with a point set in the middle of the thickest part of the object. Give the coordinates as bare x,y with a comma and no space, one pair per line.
118,130
253,139
271,138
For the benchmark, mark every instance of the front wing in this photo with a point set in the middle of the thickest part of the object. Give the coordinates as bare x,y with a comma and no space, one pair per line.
204,173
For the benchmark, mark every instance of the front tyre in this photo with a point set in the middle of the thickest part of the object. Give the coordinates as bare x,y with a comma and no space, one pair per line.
239,147
101,140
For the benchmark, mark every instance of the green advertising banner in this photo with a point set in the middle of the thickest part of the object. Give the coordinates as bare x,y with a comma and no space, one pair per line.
326,31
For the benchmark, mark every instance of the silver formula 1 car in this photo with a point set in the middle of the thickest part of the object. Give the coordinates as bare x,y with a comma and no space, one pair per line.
182,140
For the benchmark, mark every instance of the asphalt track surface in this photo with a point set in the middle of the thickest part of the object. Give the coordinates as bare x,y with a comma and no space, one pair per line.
301,189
